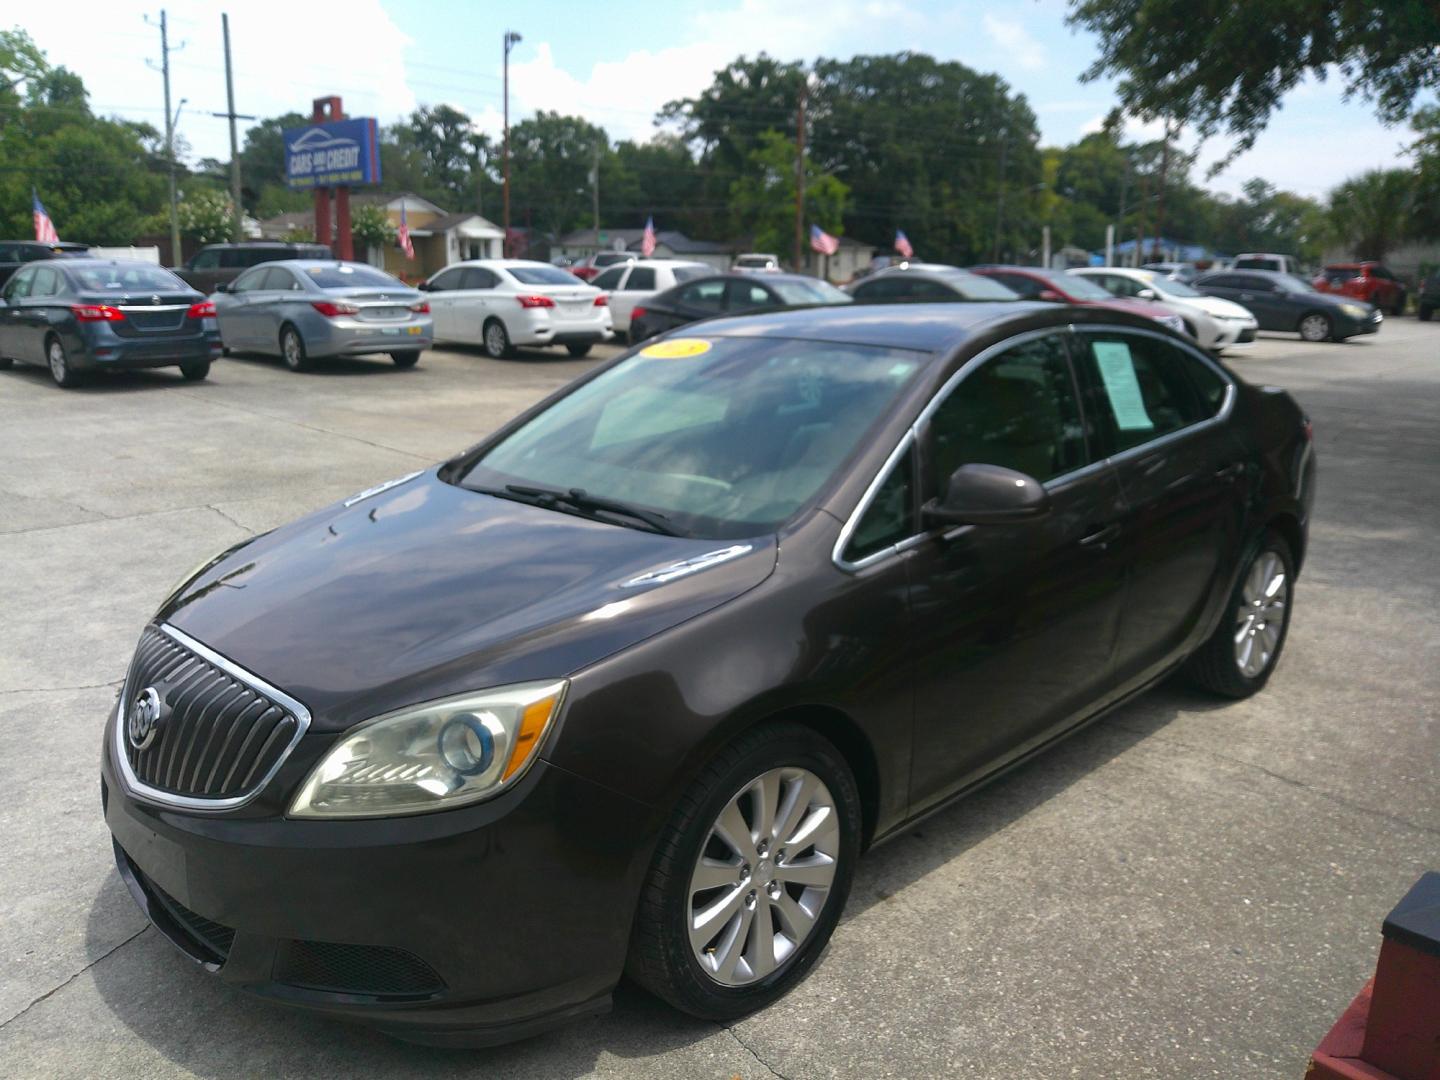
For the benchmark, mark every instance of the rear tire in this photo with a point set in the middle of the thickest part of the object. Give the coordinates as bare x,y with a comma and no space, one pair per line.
1317,327
1425,313
60,369
578,351
196,370
1228,664
292,349
787,761
497,340
407,359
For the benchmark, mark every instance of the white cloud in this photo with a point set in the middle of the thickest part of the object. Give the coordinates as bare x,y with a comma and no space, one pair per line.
1016,41
279,67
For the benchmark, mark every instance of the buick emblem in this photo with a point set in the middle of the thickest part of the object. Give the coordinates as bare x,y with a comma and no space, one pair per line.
155,299
144,718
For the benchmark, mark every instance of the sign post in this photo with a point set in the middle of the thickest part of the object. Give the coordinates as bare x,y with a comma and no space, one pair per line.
332,152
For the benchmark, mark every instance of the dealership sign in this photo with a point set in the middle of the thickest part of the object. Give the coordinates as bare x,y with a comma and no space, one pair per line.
337,153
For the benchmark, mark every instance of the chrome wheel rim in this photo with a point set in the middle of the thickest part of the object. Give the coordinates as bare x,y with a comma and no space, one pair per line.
292,350
763,876
1313,327
495,339
57,361
1260,619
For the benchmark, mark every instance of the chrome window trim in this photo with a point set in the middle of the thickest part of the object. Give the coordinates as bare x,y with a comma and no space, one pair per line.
912,437
189,802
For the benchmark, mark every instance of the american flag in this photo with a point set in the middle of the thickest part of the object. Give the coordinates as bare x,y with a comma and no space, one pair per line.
647,242
902,245
403,235
44,227
822,241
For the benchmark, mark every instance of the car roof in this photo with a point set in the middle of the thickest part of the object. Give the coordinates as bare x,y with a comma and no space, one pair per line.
1245,270
97,260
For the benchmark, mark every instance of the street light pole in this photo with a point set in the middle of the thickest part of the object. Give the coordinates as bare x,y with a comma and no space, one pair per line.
511,37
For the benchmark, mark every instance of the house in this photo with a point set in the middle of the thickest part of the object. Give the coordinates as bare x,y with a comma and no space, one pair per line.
439,237
669,244
852,257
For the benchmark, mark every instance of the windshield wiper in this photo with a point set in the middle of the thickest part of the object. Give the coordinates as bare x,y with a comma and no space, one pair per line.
579,499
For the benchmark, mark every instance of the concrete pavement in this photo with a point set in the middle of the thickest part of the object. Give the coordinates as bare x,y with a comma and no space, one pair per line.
1187,888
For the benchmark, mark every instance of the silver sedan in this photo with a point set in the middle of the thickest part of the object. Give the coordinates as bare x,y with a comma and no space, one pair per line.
305,309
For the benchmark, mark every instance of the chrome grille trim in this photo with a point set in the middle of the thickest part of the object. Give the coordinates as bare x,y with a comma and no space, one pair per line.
192,686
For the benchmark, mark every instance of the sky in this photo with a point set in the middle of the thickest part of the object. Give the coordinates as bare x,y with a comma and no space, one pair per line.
617,61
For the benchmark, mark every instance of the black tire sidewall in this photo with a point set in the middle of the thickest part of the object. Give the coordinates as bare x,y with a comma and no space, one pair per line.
196,370
690,988
406,359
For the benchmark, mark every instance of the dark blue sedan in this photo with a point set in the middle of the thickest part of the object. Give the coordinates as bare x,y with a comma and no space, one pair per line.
86,315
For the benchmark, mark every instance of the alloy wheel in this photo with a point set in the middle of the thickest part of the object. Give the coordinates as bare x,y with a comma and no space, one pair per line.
495,339
57,362
294,356
763,876
1260,618
1314,328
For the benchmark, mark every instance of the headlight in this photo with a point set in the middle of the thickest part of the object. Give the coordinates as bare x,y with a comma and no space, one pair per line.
1355,311
1174,322
432,757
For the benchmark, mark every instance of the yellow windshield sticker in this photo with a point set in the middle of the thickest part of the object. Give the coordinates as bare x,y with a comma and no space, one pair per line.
677,348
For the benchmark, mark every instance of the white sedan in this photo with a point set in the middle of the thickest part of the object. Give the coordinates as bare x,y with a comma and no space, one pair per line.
1215,324
502,303
628,285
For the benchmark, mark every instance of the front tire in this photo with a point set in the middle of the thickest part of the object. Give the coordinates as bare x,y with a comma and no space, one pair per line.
292,349
407,359
196,370
578,351
750,875
1316,327
497,341
60,369
1240,655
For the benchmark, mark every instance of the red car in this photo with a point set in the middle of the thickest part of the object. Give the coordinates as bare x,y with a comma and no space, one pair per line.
1368,281
1037,283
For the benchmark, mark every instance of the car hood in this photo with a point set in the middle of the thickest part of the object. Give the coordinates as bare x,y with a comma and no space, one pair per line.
1136,307
1215,305
426,589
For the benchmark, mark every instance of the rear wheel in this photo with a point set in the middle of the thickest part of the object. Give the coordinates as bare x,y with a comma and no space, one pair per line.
1316,327
292,348
195,370
1243,651
407,359
497,341
1424,313
750,875
578,350
60,369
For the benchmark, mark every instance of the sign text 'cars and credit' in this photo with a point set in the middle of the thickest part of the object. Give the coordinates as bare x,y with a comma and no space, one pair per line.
331,154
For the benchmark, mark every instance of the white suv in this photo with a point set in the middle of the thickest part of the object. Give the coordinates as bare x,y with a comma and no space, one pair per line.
634,282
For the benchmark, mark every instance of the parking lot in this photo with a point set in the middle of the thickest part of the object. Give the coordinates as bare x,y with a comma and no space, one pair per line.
1186,888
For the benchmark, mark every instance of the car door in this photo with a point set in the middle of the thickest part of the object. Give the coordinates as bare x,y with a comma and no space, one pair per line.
638,284
14,338
234,314
41,310
473,302
620,306
1014,625
1272,308
698,300
1159,409
440,294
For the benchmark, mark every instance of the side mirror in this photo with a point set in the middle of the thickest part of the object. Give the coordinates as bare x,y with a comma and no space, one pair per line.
424,286
1050,296
222,287
1146,294
988,495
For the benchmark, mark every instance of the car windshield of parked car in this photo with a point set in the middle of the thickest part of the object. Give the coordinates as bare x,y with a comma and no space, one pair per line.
1080,288
725,437
345,276
123,279
810,292
542,275
978,287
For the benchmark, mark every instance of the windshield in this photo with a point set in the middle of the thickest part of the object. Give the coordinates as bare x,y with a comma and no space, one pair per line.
542,275
1080,288
979,287
346,275
810,292
122,279
752,261
726,437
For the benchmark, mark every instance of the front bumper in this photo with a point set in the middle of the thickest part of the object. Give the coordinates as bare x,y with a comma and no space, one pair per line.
1234,334
468,927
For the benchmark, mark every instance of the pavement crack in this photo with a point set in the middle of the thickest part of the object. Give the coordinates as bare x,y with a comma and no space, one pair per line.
751,1051
62,689
243,528
56,989
307,427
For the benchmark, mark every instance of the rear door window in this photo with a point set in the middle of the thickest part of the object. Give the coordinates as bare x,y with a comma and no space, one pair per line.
745,295
46,282
610,279
446,279
477,277
1141,388
704,295
19,286
642,278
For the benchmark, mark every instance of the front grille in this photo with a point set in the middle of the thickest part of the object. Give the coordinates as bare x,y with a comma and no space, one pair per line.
374,970
1248,334
217,737
215,937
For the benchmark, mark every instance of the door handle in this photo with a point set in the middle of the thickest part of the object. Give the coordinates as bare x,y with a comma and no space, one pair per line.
1246,296
1100,539
1233,471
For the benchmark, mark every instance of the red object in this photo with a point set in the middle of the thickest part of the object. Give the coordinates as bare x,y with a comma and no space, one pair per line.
331,310
422,308
535,301
322,109
403,235
647,241
636,312
98,313
1039,283
205,309
902,245
44,227
1368,281
822,242
602,301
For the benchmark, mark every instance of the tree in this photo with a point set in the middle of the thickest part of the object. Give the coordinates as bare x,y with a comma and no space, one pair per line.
762,201
371,228
450,160
1371,212
262,168
1217,65
206,215
551,156
1426,152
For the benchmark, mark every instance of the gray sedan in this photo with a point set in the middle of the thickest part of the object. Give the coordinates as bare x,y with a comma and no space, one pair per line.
305,309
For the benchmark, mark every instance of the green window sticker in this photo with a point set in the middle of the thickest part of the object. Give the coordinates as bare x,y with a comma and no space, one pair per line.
1117,372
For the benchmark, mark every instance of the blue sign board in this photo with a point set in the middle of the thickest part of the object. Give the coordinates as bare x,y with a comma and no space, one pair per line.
337,153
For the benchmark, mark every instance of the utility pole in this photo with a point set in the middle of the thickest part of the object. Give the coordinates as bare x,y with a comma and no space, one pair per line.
1120,218
595,192
1140,224
1160,203
800,175
1000,195
511,37
170,121
232,116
